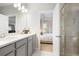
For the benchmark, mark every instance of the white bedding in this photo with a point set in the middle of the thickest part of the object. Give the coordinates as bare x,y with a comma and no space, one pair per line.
46,37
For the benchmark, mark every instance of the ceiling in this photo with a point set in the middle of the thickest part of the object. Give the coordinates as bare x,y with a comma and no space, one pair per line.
40,6
5,4
8,7
29,4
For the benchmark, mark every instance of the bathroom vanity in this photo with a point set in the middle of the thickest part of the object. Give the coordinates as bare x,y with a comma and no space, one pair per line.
18,45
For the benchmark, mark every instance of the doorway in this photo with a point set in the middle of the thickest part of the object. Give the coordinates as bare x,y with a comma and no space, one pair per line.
46,41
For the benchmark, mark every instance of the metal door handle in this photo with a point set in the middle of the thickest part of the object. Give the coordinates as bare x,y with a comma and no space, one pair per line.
58,36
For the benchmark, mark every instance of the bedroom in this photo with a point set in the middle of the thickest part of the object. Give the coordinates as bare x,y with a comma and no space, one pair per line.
46,36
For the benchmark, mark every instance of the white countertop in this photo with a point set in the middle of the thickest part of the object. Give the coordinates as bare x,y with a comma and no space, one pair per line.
11,39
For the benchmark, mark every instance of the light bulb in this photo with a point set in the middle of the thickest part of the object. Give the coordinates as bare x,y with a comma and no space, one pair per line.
25,10
19,8
15,5
23,7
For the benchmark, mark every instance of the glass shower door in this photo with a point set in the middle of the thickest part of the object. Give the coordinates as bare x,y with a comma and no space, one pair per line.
70,22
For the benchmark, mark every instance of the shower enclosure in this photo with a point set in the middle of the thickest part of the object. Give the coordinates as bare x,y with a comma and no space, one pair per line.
69,27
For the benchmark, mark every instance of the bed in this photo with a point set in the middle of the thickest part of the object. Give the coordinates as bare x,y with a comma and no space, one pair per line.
46,38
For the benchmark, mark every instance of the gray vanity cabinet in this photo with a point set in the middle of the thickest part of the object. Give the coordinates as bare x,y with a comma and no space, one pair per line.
30,46
7,50
34,43
21,51
21,48
11,54
26,47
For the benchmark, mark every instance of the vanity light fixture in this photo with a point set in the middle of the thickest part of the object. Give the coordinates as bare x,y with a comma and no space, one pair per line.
20,7
23,11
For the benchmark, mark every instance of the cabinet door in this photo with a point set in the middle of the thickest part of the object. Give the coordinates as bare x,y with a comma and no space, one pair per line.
30,46
21,51
20,42
11,54
7,49
34,42
26,48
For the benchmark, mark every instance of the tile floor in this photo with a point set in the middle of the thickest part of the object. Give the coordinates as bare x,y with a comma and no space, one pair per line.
42,53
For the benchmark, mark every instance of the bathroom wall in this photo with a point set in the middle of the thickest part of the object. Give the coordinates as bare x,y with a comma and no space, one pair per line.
3,24
33,22
21,22
56,31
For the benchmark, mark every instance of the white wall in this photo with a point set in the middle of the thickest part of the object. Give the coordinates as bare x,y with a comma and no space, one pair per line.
3,24
21,22
33,21
56,31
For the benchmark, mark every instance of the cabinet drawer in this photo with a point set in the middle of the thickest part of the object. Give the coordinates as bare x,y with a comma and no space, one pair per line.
7,49
21,42
11,54
29,38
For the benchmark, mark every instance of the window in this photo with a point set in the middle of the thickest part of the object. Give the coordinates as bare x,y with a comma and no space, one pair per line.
46,23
